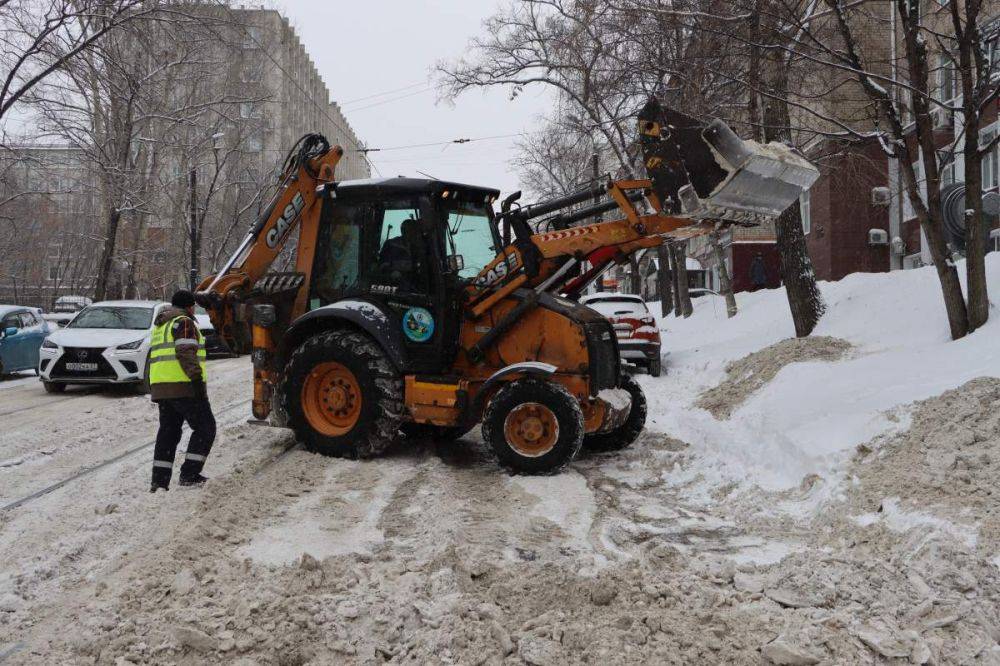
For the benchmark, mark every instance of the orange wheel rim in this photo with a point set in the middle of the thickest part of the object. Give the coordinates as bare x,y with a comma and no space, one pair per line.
331,399
531,429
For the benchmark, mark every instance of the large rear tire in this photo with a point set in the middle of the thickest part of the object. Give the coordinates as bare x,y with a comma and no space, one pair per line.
534,427
342,395
629,431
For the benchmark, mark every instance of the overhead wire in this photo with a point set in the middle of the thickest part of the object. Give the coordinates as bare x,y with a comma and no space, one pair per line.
385,92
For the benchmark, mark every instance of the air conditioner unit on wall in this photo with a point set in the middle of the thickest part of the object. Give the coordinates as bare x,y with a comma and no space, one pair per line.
880,196
878,237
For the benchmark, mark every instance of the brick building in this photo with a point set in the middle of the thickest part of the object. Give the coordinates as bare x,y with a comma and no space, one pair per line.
845,215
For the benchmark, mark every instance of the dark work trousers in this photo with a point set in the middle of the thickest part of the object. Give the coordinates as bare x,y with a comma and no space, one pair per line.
173,413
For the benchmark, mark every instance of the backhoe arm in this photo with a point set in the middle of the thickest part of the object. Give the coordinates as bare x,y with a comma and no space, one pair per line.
295,204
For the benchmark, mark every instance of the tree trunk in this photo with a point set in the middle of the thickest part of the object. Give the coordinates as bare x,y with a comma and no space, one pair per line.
195,244
107,253
663,279
635,279
676,290
725,285
680,259
978,300
804,298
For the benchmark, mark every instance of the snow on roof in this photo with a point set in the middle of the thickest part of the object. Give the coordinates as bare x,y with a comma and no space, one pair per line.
690,263
130,304
4,309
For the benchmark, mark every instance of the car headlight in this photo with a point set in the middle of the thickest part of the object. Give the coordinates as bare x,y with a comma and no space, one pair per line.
48,344
130,345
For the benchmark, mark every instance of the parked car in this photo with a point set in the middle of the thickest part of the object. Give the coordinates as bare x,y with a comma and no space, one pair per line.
65,308
215,347
22,332
106,343
635,327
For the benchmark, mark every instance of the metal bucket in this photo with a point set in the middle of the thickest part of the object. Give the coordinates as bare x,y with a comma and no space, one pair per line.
702,170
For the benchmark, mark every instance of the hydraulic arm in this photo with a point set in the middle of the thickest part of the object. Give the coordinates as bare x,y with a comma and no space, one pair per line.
309,164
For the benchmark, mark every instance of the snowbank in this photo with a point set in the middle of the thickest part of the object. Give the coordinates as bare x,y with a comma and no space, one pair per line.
810,417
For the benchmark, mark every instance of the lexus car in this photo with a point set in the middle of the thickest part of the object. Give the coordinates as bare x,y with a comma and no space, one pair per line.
106,343
635,327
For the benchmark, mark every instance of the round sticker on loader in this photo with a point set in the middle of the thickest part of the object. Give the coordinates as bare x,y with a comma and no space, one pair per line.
418,324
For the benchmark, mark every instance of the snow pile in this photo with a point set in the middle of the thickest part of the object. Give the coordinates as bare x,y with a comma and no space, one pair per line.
811,415
753,371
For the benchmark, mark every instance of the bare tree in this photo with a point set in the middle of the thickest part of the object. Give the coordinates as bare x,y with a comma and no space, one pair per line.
725,286
606,58
39,38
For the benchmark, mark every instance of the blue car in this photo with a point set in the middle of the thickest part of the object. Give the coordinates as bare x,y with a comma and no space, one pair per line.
22,331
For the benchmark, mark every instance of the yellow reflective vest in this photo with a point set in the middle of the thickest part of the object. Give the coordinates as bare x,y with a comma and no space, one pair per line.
164,368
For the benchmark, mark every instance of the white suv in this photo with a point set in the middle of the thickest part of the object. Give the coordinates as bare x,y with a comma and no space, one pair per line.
106,343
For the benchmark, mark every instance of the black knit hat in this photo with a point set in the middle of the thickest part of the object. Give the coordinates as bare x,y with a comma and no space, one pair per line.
182,298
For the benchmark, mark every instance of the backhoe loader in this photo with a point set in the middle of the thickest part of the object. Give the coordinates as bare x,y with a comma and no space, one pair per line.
415,309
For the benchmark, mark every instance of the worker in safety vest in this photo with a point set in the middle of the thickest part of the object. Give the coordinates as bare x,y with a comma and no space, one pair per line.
177,376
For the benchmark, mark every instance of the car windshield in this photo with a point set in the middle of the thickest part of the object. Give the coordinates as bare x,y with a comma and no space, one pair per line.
114,317
619,308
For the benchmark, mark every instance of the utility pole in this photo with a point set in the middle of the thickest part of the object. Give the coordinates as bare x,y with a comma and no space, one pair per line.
596,166
193,212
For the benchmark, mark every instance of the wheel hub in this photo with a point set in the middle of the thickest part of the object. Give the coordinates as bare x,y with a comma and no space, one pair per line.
531,429
331,399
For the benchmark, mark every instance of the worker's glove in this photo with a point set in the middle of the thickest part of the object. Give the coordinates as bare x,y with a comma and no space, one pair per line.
200,390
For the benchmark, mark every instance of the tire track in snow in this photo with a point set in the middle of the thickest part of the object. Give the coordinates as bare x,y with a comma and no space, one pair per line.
101,465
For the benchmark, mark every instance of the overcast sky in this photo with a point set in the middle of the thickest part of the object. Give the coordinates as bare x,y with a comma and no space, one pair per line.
374,46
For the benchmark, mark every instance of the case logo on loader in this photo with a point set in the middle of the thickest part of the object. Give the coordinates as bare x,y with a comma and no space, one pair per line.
498,272
284,223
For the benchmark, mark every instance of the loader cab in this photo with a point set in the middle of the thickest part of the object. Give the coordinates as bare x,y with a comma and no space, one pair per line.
409,247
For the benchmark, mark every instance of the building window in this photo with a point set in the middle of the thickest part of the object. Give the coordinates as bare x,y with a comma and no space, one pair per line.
805,208
251,37
53,273
989,159
946,166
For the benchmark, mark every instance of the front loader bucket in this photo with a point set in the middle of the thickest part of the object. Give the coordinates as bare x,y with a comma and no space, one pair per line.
702,170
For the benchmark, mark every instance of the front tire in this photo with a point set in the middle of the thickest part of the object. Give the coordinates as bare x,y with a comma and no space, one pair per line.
534,427
655,368
629,431
54,387
342,395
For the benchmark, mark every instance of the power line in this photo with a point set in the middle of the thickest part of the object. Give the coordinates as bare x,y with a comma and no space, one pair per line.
386,92
441,143
390,100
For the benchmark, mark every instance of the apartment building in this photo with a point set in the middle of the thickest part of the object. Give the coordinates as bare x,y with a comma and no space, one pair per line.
261,92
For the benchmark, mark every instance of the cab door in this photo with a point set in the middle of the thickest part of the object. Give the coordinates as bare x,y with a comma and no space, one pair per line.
403,272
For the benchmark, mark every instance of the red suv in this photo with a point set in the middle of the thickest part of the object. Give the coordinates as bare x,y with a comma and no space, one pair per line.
638,336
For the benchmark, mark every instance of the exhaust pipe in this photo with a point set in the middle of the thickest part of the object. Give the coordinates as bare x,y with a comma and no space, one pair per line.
703,170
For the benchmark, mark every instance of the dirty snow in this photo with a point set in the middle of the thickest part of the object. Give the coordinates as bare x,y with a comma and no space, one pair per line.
845,512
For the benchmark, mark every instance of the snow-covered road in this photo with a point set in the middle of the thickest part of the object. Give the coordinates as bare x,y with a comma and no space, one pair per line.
716,538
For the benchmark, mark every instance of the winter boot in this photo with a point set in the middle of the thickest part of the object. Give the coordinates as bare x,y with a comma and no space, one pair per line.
195,480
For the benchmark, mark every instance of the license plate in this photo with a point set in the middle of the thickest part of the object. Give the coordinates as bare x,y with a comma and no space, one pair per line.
82,367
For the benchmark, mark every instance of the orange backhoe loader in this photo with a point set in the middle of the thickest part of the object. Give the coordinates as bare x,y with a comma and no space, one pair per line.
414,309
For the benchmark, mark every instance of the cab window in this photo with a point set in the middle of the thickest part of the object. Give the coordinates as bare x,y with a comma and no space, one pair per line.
471,236
337,269
402,259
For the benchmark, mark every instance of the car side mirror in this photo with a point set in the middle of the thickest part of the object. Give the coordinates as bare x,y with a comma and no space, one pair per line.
456,262
9,331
